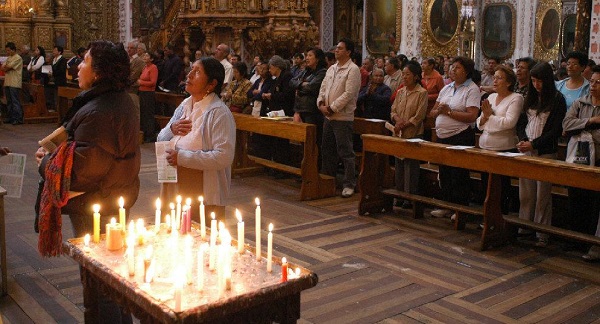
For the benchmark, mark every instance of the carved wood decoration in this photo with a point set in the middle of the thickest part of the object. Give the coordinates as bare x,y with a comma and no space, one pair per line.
582,31
447,43
547,22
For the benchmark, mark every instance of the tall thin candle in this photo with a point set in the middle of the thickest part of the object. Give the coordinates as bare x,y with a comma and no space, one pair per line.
240,230
178,289
257,228
188,220
270,249
213,242
178,214
157,215
122,217
96,209
284,270
200,278
130,255
172,205
202,218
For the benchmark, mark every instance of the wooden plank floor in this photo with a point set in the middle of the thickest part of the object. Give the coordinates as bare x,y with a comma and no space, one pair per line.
383,269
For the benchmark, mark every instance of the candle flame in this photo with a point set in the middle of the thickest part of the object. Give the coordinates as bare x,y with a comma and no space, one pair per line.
172,205
113,221
238,215
201,199
188,201
158,204
96,208
86,239
283,260
212,215
221,226
121,202
270,227
257,201
178,199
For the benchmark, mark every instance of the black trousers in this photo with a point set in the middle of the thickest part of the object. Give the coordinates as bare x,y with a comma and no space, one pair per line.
456,182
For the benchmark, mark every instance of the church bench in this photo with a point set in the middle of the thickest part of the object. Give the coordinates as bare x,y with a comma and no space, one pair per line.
35,111
373,198
171,101
314,185
65,98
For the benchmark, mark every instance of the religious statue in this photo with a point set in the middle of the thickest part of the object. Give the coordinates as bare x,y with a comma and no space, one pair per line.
312,34
194,4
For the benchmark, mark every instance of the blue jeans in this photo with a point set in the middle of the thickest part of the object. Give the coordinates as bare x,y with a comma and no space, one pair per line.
15,111
337,144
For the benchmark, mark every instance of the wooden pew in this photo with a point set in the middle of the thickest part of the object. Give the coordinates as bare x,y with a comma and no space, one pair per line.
36,111
314,184
169,99
65,99
376,196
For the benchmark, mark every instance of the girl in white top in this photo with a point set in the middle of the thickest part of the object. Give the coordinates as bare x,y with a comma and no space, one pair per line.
500,113
36,62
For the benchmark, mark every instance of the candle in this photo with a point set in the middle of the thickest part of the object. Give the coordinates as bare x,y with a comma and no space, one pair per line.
178,289
157,215
172,205
189,242
213,242
122,217
240,231
270,249
257,228
284,270
148,269
130,255
178,213
86,243
140,230
225,259
202,218
131,228
96,209
184,215
114,235
188,219
200,277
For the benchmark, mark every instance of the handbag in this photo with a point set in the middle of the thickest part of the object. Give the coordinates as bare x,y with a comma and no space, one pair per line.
580,149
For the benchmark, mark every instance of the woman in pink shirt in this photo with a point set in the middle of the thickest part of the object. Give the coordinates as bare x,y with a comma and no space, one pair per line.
147,82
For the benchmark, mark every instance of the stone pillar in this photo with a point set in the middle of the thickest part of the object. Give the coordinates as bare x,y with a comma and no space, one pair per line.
327,19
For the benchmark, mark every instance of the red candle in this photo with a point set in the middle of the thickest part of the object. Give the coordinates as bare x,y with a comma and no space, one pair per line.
284,269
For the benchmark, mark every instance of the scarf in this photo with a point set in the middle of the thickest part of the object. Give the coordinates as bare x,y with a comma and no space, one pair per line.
55,195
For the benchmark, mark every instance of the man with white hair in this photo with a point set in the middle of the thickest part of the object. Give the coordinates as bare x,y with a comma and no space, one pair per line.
136,64
221,54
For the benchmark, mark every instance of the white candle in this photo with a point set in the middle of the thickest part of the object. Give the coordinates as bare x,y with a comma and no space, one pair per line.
257,228
270,249
86,243
96,209
131,255
178,289
240,231
157,215
225,259
122,218
189,242
172,205
140,231
200,277
213,242
148,270
202,218
178,213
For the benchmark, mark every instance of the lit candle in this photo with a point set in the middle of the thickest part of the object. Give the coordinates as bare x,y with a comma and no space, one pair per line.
257,228
213,242
96,209
131,229
172,205
140,230
200,277
284,270
270,249
122,218
226,259
130,255
157,215
148,273
240,230
202,218
178,289
184,215
188,218
114,235
86,243
189,242
178,213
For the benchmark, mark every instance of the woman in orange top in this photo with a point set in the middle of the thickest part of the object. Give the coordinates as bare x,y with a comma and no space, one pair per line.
433,82
147,82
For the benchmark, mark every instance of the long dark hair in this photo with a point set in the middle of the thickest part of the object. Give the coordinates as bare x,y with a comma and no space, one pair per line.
214,70
320,55
110,62
541,101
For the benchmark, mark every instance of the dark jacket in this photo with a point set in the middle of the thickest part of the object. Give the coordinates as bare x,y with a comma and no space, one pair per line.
282,95
104,124
376,105
306,94
547,142
59,72
171,72
266,86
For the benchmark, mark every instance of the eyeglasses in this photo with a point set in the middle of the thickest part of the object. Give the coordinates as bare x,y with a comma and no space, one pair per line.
594,82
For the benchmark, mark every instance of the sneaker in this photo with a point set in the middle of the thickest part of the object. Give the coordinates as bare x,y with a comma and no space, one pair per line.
441,213
347,192
542,242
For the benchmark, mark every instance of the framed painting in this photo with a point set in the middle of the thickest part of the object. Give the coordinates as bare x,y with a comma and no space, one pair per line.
381,32
498,37
550,29
152,12
568,34
443,20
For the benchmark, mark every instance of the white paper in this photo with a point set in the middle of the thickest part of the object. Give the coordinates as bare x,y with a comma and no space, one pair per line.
47,69
510,154
459,147
415,140
12,170
166,172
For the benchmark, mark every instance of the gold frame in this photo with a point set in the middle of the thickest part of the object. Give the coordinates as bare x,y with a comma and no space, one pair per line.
430,45
398,27
562,32
539,50
511,49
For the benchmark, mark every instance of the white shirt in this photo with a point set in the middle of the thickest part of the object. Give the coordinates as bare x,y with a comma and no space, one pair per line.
499,132
228,70
458,98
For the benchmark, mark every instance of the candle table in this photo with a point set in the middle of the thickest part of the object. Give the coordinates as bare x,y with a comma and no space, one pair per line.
255,294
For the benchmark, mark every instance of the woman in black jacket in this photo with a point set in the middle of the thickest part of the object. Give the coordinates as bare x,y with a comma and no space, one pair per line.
538,128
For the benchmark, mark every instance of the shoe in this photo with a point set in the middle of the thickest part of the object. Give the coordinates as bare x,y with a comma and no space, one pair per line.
441,213
593,254
542,242
347,192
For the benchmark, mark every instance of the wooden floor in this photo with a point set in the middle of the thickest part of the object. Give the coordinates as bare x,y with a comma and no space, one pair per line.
384,269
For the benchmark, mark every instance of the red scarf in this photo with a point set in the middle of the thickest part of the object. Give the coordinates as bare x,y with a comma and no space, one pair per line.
54,196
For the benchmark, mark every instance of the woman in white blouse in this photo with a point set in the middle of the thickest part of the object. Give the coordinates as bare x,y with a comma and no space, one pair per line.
35,65
499,116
